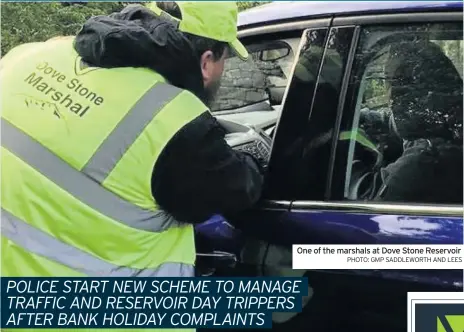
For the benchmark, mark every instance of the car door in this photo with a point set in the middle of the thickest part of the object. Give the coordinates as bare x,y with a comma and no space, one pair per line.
220,241
362,142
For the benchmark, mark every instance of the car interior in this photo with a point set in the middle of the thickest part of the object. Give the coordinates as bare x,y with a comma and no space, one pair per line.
272,60
376,117
256,101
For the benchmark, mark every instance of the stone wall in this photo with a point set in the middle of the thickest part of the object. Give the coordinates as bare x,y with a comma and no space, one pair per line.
244,83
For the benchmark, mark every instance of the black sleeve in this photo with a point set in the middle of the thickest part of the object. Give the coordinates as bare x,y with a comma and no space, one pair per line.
198,174
428,176
408,181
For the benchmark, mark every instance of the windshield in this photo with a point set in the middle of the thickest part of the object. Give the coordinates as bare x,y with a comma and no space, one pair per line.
262,78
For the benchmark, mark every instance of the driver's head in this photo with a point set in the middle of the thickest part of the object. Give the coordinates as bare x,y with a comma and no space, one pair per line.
425,92
211,27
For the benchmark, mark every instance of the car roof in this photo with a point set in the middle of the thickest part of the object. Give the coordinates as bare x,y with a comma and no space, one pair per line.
291,10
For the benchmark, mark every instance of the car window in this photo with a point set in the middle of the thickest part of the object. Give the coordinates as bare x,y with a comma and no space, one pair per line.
285,171
262,78
310,172
401,134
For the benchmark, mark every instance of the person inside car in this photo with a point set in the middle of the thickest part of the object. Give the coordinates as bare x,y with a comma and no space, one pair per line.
426,102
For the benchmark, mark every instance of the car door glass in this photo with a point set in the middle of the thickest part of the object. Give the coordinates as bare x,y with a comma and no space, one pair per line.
261,78
312,171
401,135
282,181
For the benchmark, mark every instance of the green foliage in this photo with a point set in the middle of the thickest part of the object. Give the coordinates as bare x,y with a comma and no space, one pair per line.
243,5
453,50
33,22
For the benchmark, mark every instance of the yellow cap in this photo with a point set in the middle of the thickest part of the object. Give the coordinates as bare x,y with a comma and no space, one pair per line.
215,20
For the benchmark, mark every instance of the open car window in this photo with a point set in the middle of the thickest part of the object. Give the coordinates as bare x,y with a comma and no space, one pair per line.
261,79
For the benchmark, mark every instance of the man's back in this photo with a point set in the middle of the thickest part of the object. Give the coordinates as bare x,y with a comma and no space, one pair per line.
197,174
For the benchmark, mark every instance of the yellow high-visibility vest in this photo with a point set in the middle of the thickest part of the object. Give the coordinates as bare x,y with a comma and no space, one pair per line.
360,137
79,145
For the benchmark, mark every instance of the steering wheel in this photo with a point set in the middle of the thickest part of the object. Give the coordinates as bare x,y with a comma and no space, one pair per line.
365,179
364,184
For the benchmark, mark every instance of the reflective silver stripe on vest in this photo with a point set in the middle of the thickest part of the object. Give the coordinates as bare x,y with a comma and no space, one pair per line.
80,185
128,130
42,244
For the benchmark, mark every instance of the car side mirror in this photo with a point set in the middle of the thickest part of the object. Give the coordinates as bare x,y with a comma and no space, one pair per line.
270,51
273,54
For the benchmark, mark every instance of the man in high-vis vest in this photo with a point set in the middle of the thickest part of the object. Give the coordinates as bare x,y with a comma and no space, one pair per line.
109,153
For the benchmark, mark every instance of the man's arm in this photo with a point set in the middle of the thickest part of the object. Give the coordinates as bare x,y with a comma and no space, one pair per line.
198,174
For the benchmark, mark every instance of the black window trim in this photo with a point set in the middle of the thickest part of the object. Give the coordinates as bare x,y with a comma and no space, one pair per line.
376,207
315,26
341,106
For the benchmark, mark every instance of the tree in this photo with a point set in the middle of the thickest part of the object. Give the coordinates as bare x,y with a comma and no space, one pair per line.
243,5
31,22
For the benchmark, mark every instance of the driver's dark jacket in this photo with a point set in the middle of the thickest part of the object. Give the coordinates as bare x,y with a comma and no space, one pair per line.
429,171
197,174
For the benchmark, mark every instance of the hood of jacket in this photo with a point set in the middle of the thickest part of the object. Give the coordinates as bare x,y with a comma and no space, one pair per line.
136,37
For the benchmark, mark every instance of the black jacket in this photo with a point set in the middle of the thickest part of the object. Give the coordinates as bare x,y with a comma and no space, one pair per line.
428,172
197,174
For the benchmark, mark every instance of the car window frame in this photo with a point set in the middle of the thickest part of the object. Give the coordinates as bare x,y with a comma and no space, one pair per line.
277,156
252,32
361,21
310,141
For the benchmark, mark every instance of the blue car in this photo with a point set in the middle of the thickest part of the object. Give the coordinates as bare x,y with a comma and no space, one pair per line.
357,108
